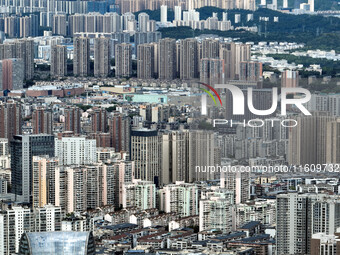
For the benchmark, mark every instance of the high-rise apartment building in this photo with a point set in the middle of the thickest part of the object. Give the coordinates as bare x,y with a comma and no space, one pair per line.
112,23
143,20
120,127
42,121
96,188
25,51
76,191
210,48
175,156
59,24
189,59
290,79
72,119
76,150
24,26
323,243
81,56
178,13
167,59
145,61
251,71
233,54
215,211
10,120
333,142
17,220
44,178
123,60
238,182
11,74
47,218
11,25
164,14
181,198
146,37
99,120
308,140
13,223
146,152
299,216
102,54
23,148
21,49
212,71
124,173
58,60
138,193
201,154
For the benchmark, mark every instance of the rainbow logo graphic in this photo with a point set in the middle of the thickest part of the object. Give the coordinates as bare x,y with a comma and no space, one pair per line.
204,97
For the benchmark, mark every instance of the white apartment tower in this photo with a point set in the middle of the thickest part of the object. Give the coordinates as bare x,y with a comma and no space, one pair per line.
164,14
75,150
215,211
299,216
178,13
181,198
140,194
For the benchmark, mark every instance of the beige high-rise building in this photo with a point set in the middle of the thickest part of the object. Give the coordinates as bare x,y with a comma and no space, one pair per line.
112,23
242,53
202,155
145,61
308,140
58,60
11,23
233,54
228,55
167,59
333,142
102,54
59,24
189,59
44,181
25,26
81,56
123,60
175,156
